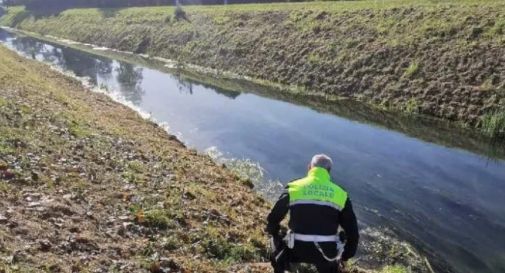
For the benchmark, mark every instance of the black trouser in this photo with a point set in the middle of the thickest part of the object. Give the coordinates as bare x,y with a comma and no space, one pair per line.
306,252
327,268
321,268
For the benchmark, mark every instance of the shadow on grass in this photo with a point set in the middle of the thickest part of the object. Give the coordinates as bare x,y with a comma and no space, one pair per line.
37,14
19,17
47,12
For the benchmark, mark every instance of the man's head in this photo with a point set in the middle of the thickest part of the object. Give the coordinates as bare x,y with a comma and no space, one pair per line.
322,161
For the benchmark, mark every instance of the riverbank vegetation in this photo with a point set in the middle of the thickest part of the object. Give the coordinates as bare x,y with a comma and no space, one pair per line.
87,185
438,58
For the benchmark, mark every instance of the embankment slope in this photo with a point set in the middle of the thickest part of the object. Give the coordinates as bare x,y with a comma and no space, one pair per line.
87,185
441,58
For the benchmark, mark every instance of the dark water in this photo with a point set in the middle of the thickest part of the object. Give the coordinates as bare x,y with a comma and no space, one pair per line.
447,201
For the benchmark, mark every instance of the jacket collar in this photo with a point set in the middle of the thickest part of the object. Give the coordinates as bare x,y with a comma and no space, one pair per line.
319,172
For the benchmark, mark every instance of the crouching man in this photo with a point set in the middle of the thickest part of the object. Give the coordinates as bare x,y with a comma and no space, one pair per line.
317,207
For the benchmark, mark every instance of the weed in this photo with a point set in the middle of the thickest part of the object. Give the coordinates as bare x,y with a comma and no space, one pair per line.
136,166
487,85
149,249
79,187
412,106
158,218
171,243
78,130
6,148
4,187
3,102
221,19
412,69
216,246
130,177
498,28
25,109
493,124
47,181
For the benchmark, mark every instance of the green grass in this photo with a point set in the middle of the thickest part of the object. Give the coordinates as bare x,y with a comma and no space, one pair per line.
498,29
136,166
487,85
158,218
3,102
412,106
219,247
412,69
78,130
493,124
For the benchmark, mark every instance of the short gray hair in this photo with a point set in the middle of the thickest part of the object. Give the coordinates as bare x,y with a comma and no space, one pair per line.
322,161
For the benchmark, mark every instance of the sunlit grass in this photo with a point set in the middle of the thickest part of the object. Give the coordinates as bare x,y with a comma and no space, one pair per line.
493,124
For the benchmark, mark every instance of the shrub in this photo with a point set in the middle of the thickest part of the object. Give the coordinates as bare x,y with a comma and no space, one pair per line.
157,218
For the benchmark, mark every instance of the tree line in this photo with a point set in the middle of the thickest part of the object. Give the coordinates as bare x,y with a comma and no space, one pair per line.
60,4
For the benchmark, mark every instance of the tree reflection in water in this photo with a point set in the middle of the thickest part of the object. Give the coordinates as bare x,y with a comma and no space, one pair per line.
129,79
184,86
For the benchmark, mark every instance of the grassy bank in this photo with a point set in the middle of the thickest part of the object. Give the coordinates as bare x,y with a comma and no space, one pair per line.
87,185
440,58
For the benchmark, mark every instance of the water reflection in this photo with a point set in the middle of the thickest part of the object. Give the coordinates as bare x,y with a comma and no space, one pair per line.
104,69
129,79
30,48
126,77
184,87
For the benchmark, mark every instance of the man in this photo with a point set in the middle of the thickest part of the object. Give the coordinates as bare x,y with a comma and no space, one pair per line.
317,208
